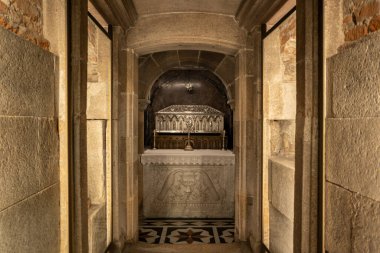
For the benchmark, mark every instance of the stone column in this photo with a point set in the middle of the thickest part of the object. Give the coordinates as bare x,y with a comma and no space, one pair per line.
132,161
245,140
78,123
143,104
255,137
239,134
55,31
116,183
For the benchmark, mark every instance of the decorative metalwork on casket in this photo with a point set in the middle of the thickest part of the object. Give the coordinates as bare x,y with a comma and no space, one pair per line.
189,118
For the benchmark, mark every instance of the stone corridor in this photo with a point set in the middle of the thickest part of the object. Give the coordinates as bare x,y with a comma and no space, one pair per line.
189,126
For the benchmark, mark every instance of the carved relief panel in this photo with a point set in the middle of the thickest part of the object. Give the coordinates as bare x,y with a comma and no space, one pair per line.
187,191
189,118
188,186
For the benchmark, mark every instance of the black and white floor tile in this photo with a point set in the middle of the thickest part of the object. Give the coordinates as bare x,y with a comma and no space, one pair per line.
186,231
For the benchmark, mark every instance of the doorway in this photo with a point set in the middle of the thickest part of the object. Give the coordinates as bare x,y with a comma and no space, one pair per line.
210,209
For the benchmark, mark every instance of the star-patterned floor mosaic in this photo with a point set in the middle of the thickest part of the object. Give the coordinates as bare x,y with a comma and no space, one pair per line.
186,231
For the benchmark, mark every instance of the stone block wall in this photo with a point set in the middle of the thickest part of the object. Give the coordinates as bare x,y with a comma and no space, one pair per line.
281,208
98,138
353,148
96,161
24,18
280,88
279,85
29,148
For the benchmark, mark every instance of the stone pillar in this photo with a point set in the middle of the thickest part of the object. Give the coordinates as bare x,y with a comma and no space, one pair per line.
239,134
254,134
143,104
116,184
55,31
118,138
78,123
247,104
308,151
132,158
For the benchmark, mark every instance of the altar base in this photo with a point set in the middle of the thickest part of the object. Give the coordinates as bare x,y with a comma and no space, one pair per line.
197,184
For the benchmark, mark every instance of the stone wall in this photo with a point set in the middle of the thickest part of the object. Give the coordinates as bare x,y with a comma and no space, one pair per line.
29,147
24,18
279,80
98,138
288,48
360,17
281,207
280,88
353,149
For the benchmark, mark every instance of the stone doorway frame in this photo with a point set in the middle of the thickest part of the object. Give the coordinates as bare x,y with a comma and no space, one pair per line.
248,131
309,167
142,105
309,170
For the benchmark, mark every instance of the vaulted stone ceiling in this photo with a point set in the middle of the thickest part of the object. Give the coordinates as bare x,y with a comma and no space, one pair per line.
162,25
245,13
149,7
152,66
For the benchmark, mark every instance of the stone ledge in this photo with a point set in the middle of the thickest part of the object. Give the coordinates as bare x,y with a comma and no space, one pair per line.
181,157
281,185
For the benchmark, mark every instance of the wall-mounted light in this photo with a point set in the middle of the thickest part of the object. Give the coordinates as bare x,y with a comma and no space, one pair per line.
189,87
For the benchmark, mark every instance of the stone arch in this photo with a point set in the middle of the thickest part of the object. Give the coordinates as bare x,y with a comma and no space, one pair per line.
173,31
152,66
149,88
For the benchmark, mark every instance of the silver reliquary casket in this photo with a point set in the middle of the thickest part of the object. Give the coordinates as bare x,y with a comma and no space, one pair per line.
189,118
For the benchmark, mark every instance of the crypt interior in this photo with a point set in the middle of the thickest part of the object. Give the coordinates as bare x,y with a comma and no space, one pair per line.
235,126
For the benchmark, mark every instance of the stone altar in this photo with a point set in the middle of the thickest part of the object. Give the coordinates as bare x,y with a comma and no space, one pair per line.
196,184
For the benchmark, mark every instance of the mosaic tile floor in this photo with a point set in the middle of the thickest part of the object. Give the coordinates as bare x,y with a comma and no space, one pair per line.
187,231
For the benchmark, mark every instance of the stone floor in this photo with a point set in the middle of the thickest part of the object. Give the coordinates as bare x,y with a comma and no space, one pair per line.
187,236
187,231
189,248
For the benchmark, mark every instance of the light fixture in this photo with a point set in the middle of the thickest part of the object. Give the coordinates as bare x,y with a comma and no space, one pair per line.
189,87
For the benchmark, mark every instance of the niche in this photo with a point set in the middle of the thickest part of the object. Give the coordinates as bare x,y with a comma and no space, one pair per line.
172,90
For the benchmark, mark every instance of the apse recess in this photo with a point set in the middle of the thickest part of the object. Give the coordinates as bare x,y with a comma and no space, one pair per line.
170,89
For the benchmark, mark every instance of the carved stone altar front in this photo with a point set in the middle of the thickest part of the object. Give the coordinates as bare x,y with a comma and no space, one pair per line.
188,184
